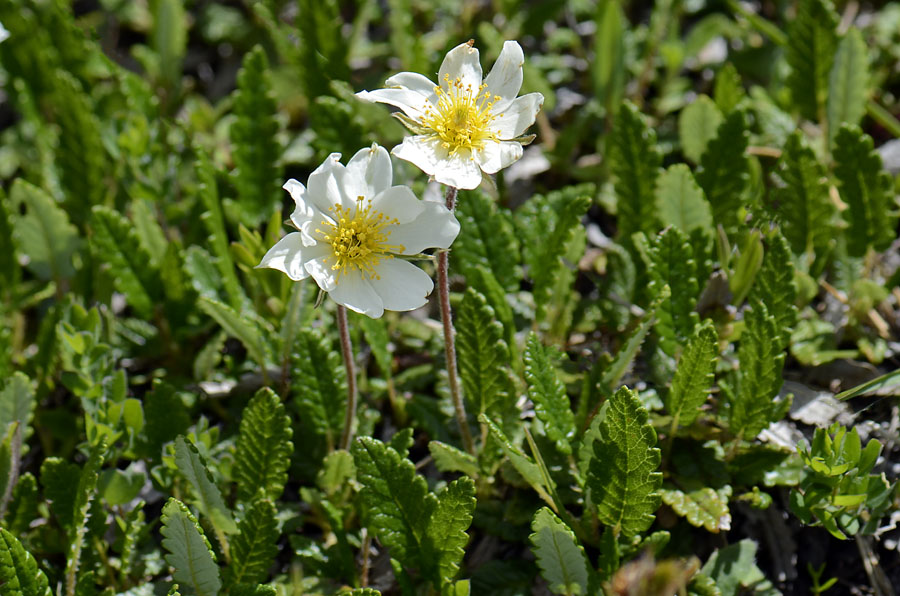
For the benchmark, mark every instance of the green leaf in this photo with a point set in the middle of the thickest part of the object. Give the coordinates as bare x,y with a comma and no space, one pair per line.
166,417
150,234
448,524
703,508
867,190
239,326
774,287
483,356
811,42
608,66
255,149
724,173
486,238
729,90
801,203
523,464
255,547
448,458
884,382
17,404
209,499
627,352
23,507
115,243
397,505
551,402
680,201
9,266
44,233
635,160
694,376
697,126
672,264
19,573
337,470
190,554
264,447
58,477
848,83
561,559
482,280
622,476
735,572
759,377
84,494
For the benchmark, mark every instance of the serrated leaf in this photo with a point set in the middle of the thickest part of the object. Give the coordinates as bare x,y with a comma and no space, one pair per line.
17,404
115,243
44,233
551,402
376,334
774,287
150,234
190,554
483,356
724,172
561,559
523,464
448,458
58,477
761,360
209,498
264,448
23,507
694,375
729,90
635,160
627,352
703,508
680,201
811,43
848,83
866,188
622,475
482,280
448,524
397,504
672,264
238,326
801,203
256,152
254,548
9,266
734,570
486,238
19,573
84,494
337,470
697,126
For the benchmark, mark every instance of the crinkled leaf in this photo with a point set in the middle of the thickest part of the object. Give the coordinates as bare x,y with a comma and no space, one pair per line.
728,90
561,559
486,238
190,554
19,573
626,354
84,495
17,404
697,125
774,287
672,264
448,524
703,508
680,201
694,375
724,172
209,498
58,477
238,325
523,464
622,475
635,161
254,548
44,233
811,43
264,447
448,458
734,570
551,402
848,83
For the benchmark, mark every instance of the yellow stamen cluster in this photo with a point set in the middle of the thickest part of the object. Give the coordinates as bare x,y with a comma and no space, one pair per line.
462,117
358,238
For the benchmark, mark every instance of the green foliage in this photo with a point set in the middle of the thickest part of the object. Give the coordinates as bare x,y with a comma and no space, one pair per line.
724,172
84,494
190,554
19,573
622,476
44,233
486,239
704,507
561,559
680,201
694,376
209,498
256,151
448,524
729,90
865,187
254,548
774,287
734,570
635,161
448,458
811,44
697,126
848,83
244,328
672,264
551,403
264,447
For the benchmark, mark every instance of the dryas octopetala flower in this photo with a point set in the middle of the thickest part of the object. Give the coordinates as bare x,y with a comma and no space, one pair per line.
463,126
352,225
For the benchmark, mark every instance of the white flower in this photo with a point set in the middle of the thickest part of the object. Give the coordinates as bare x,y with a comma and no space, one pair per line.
352,223
4,34
463,126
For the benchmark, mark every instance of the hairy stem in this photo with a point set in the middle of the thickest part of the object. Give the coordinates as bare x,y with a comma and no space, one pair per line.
347,353
443,282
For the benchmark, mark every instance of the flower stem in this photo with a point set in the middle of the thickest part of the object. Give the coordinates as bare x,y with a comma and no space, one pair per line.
347,353
443,279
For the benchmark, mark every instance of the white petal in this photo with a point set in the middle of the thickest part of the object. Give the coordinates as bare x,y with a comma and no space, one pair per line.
372,168
496,156
460,170
414,82
402,285
290,255
422,151
304,211
322,272
461,63
505,78
398,202
518,116
323,187
411,102
436,227
357,294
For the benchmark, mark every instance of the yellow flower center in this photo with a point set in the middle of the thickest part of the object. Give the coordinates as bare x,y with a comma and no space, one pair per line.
358,238
462,117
